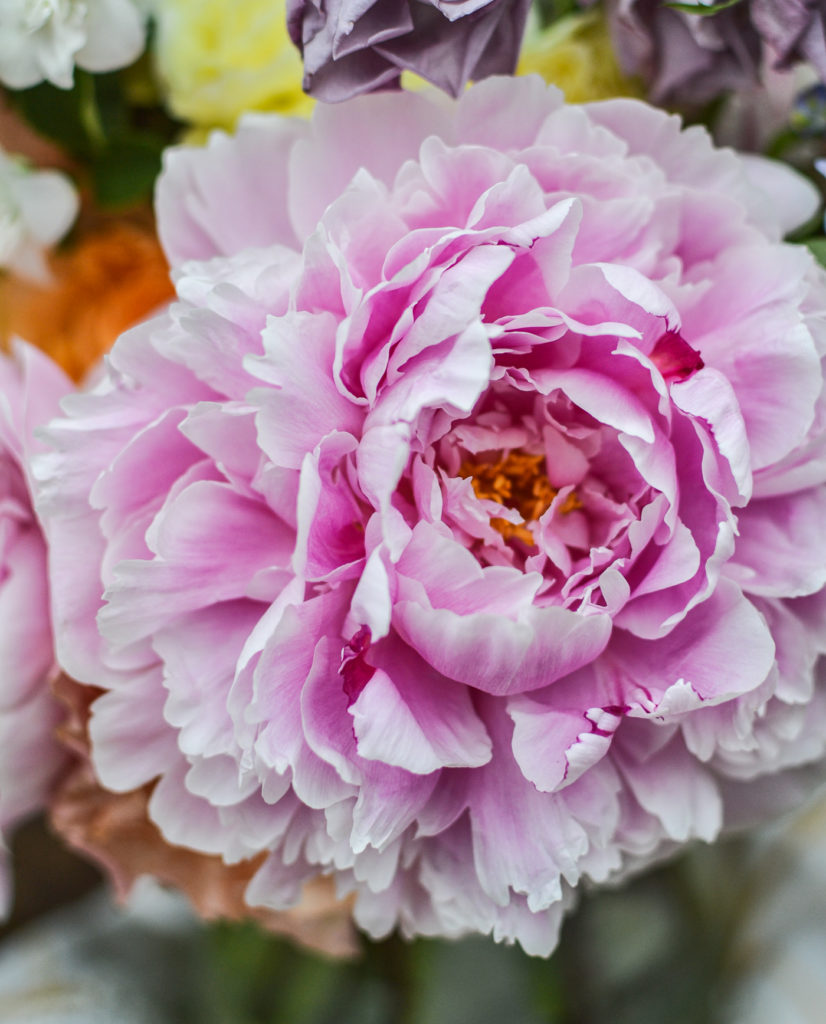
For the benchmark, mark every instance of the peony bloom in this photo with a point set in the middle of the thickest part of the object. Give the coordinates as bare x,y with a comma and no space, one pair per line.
692,58
108,282
352,49
217,60
37,208
112,278
30,757
44,39
458,533
575,53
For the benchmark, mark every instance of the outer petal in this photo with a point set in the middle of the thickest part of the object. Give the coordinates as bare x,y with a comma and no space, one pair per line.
195,219
695,655
673,787
793,197
555,745
781,550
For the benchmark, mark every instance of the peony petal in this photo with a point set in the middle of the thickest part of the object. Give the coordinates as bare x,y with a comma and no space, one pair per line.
781,550
378,132
304,406
132,744
696,653
555,745
198,218
673,787
415,719
498,655
191,535
793,197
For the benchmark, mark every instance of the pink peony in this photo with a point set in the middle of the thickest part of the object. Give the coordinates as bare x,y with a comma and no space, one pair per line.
30,386
459,532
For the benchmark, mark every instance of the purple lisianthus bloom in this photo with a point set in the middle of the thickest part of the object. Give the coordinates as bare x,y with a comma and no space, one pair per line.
690,58
459,532
351,48
794,30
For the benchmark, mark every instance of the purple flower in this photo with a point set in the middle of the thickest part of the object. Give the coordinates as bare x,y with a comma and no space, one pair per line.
459,532
794,30
351,48
691,58
30,386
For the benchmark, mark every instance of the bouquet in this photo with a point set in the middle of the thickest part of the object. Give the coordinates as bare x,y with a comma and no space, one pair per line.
414,446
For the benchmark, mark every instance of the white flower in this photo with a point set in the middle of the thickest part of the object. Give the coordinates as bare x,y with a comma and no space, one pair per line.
45,39
36,209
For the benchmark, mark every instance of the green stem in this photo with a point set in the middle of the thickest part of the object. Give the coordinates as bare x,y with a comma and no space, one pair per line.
89,111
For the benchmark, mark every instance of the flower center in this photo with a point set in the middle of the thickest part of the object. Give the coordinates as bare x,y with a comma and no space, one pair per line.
518,481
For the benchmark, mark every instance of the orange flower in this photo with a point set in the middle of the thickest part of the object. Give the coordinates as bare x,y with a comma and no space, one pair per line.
109,281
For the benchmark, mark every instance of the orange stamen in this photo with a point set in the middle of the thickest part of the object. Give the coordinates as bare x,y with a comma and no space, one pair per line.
520,482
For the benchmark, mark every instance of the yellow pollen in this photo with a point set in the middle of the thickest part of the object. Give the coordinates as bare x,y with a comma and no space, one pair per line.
518,482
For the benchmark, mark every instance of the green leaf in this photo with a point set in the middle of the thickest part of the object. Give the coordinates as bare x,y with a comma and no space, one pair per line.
703,10
55,113
82,119
125,171
316,990
552,10
817,247
473,981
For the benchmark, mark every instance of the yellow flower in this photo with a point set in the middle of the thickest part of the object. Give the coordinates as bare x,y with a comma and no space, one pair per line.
575,53
216,60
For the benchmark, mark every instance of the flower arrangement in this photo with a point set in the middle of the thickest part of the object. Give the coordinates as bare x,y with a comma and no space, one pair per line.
428,531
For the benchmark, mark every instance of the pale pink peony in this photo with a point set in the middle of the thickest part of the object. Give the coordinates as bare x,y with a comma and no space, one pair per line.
460,530
30,757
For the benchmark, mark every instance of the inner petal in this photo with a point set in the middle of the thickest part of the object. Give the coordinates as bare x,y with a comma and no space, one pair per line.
518,481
